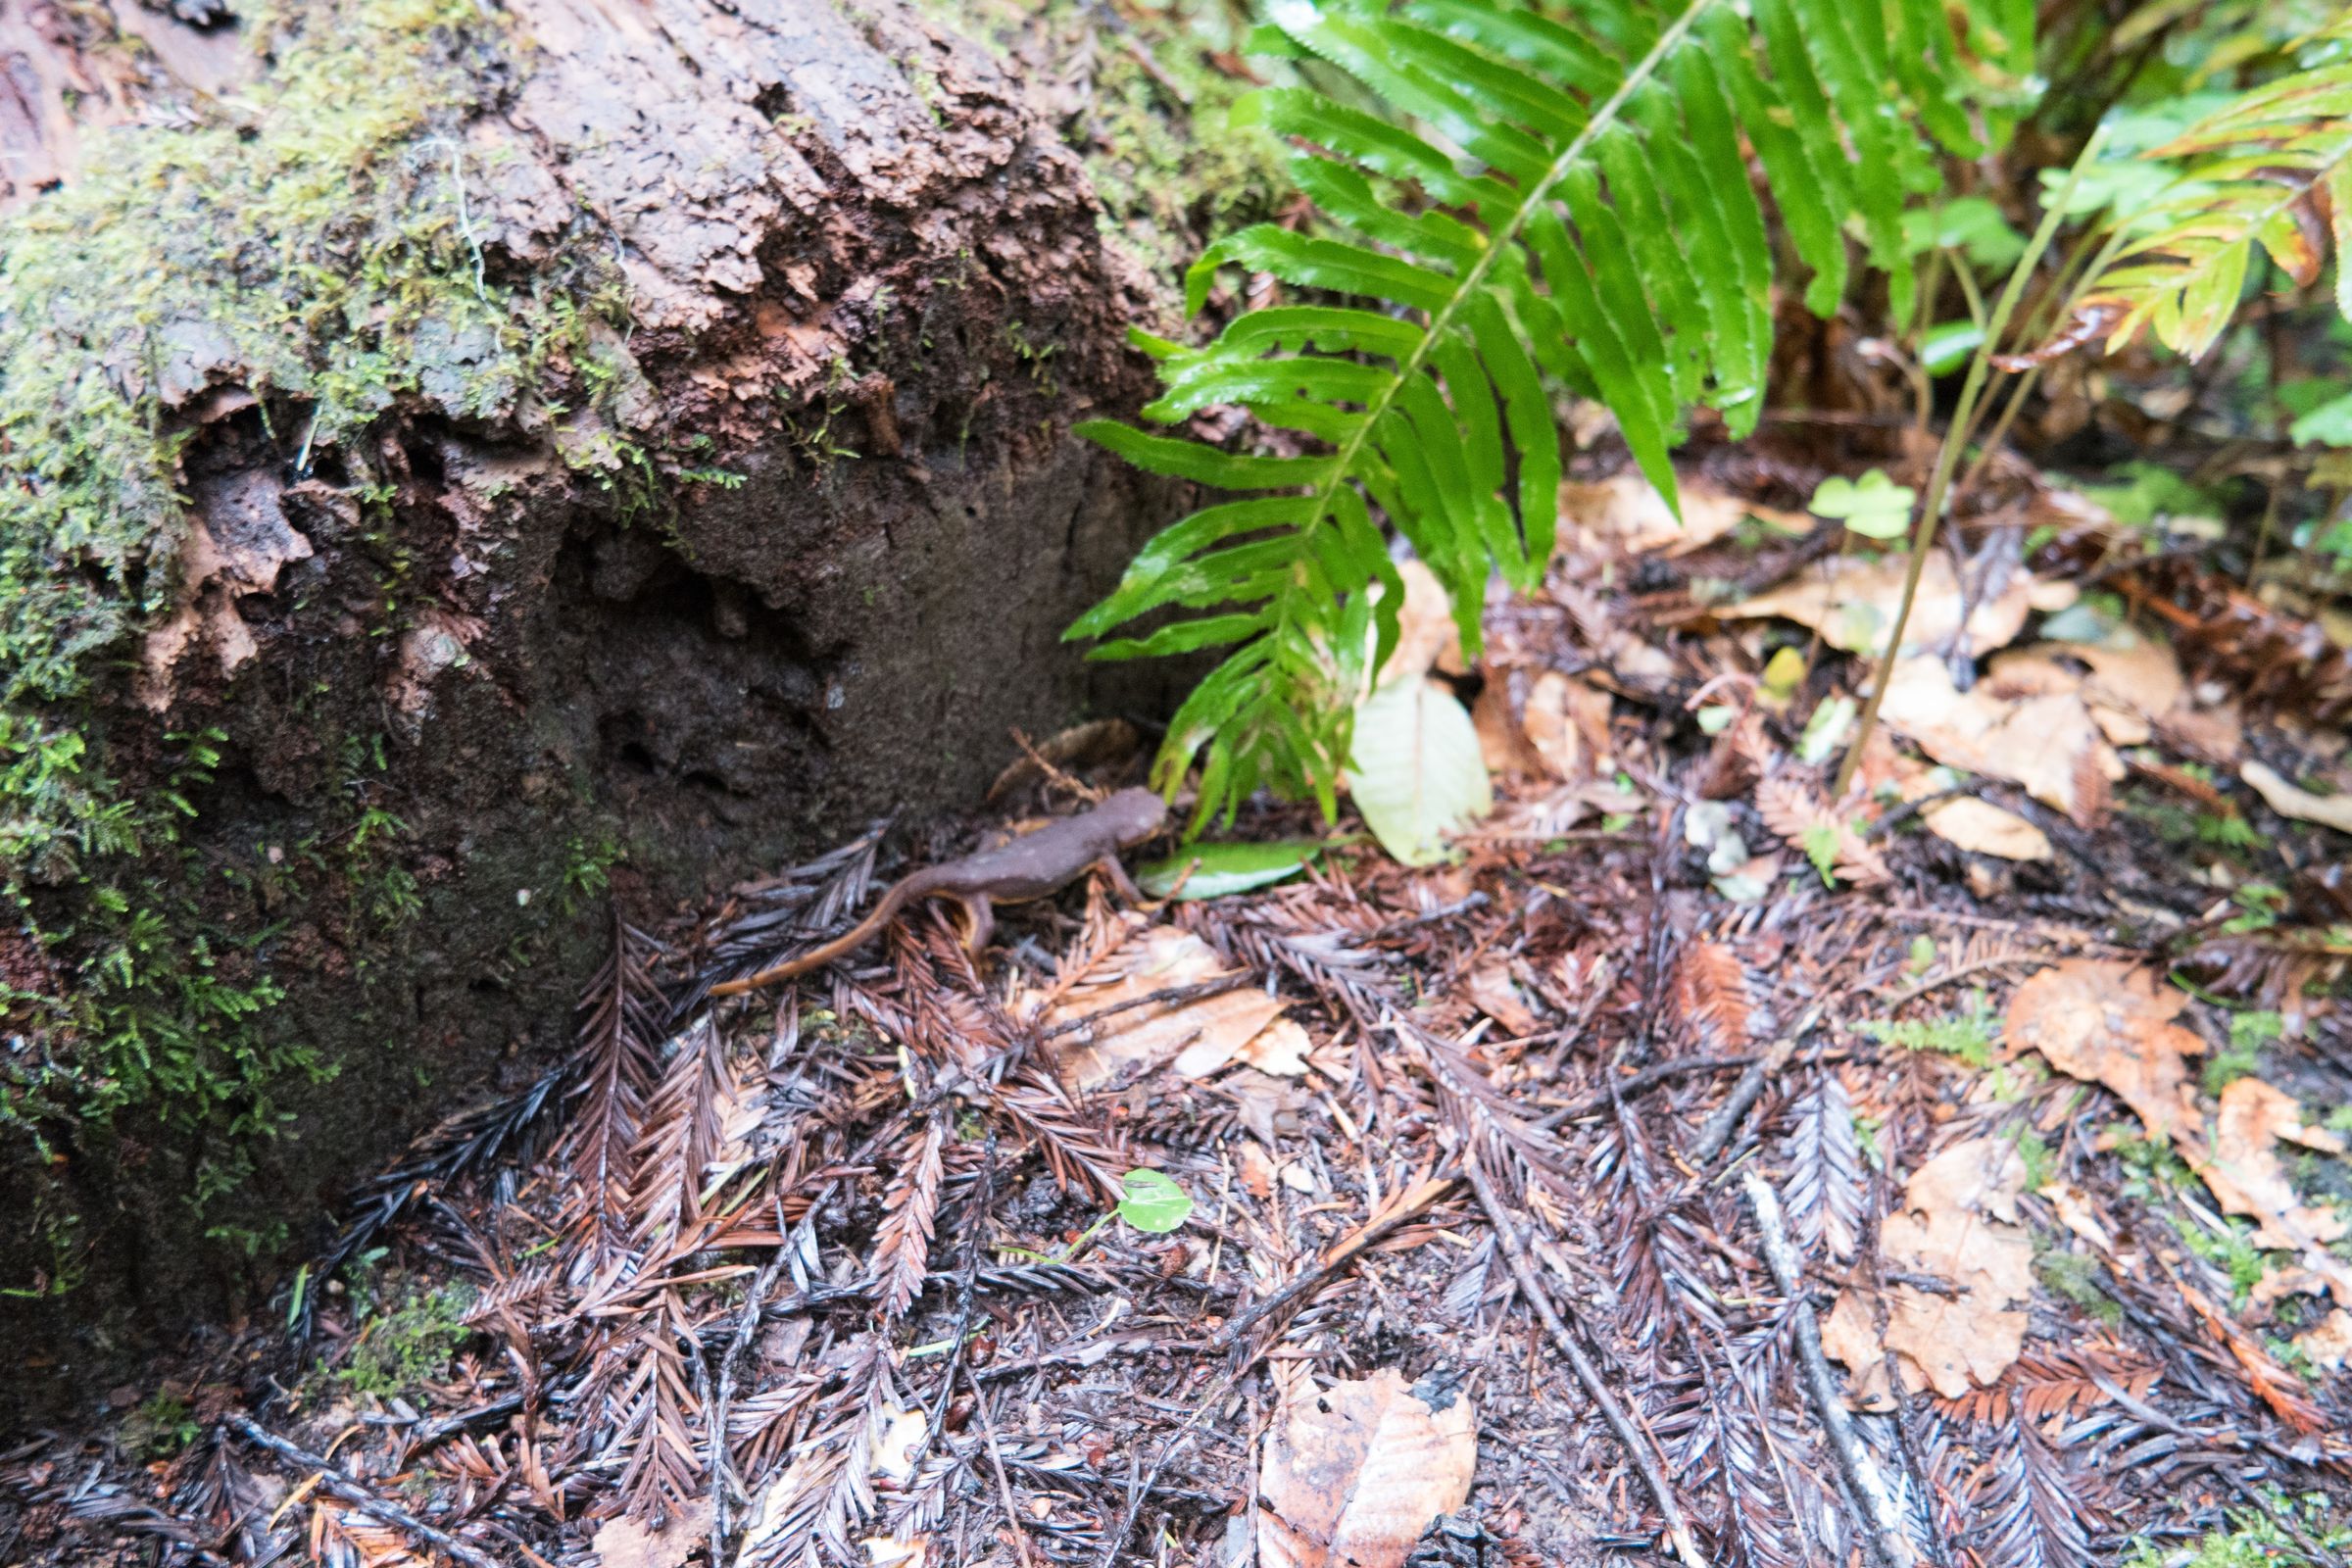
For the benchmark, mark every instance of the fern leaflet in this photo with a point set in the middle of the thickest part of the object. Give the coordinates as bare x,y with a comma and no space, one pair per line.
1559,201
2272,168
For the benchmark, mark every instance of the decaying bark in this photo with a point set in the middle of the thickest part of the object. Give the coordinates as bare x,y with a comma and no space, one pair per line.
859,266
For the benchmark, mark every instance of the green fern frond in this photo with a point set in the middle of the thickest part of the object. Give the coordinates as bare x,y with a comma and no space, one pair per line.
1563,198
2271,170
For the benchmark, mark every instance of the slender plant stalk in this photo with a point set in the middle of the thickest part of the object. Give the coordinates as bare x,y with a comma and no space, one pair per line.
2074,280
1955,440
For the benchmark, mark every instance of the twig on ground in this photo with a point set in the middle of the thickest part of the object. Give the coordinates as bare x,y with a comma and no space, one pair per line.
995,1457
362,1498
1716,1130
1639,1083
1637,1448
1329,1264
1889,1547
1116,1540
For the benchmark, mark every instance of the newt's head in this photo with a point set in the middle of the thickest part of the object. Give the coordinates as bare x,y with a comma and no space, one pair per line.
1134,814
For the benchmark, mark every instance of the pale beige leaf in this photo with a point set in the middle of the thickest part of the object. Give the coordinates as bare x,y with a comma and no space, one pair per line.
1983,828
1626,512
1427,637
2289,799
1280,1047
1200,1036
2047,743
1354,1473
2245,1173
625,1542
1850,1335
1959,1222
2112,1023
1853,603
2130,673
2329,1345
1493,992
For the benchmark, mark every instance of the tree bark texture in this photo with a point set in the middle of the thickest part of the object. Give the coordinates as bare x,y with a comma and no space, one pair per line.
866,295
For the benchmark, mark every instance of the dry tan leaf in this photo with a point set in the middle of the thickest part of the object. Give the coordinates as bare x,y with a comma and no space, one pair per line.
2329,1345
625,1542
2074,1210
1501,737
1983,828
2245,1174
1850,1335
2131,675
1493,992
2112,1023
2217,733
1426,636
1626,512
902,1433
1959,1221
2287,800
1354,1473
886,1551
1852,604
1568,726
2046,743
1280,1047
1206,1033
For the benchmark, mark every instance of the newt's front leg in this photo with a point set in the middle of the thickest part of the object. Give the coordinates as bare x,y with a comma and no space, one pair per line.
980,921
1121,880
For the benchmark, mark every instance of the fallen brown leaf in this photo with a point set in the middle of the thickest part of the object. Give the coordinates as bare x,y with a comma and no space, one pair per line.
1493,992
1196,1037
2127,682
1626,512
1983,828
1354,1473
2245,1174
1852,604
1959,1223
2329,1345
2112,1023
2048,743
1426,634
2289,799
625,1542
1568,726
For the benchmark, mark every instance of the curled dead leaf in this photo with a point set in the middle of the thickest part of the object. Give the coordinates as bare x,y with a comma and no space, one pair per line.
2289,800
2047,743
1196,1035
1959,1223
2112,1023
1355,1472
1983,828
1852,604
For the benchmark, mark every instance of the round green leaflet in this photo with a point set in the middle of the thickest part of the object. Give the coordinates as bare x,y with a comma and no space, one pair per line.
1153,1202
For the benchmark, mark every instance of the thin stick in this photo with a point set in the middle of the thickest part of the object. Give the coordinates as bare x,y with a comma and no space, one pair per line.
995,1457
1646,1460
1337,1258
1955,438
1888,1544
342,1485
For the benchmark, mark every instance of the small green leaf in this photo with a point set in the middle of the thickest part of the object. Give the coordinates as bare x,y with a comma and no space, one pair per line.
1715,720
1875,507
1969,224
1221,869
1415,771
1826,730
1946,346
1783,673
2329,424
1153,1202
1820,844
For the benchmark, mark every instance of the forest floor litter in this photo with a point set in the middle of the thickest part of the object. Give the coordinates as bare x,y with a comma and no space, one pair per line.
1682,1164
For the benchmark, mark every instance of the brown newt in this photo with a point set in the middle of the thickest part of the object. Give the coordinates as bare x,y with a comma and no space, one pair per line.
1035,865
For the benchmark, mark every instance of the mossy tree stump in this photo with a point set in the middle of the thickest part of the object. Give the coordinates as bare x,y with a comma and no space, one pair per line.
461,460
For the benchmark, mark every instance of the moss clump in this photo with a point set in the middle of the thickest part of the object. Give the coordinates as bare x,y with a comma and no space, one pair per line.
407,1337
1167,167
312,243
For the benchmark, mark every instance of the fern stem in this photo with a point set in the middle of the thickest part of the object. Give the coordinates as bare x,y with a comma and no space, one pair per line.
1439,322
1955,439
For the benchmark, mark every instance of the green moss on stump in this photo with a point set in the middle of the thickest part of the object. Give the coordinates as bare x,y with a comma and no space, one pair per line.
311,242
